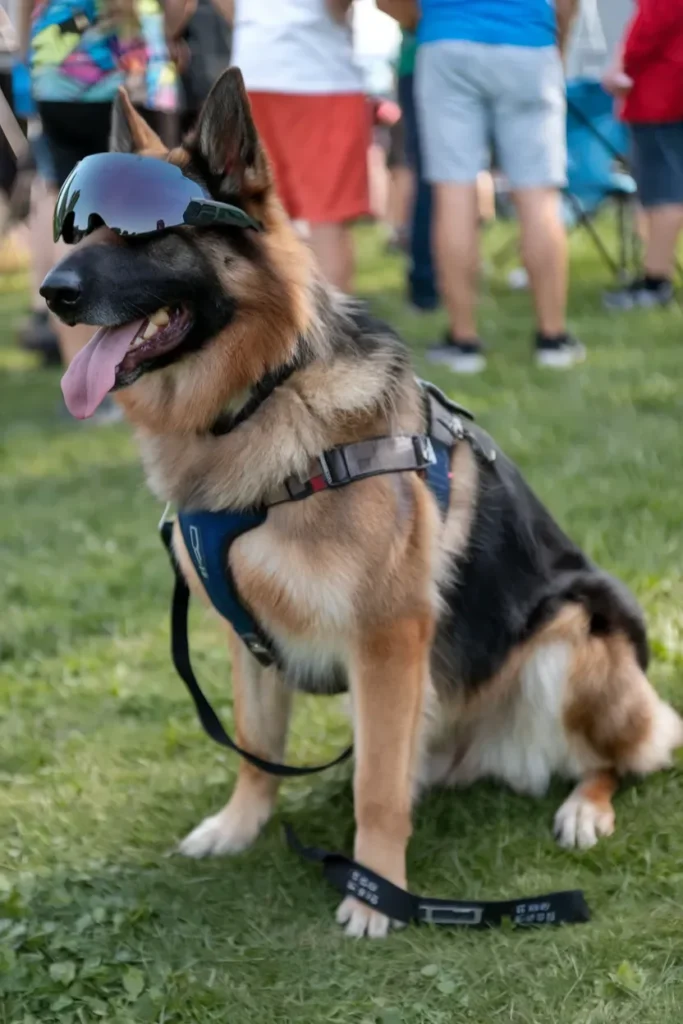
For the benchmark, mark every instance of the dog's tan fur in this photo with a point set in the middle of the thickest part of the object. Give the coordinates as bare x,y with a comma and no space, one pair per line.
354,575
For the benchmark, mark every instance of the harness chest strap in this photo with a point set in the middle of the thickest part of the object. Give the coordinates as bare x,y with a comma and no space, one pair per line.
349,463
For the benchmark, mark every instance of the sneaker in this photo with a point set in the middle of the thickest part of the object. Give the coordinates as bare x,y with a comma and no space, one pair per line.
459,356
559,353
641,293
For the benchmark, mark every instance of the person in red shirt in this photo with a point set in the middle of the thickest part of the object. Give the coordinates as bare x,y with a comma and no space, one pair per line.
648,81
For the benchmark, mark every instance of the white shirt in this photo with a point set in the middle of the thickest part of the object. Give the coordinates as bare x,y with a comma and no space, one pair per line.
9,41
293,46
597,31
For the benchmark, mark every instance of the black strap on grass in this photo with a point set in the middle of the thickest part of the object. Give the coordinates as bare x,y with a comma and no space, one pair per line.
180,652
352,879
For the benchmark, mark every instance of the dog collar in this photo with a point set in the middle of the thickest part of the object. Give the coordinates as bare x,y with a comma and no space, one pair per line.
263,390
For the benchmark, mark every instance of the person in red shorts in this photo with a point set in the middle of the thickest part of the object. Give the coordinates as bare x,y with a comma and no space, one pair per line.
649,78
307,98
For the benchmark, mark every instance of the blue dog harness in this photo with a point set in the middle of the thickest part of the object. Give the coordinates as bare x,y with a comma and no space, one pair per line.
208,536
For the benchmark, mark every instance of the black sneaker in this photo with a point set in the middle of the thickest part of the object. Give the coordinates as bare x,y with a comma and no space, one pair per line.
641,293
459,356
559,353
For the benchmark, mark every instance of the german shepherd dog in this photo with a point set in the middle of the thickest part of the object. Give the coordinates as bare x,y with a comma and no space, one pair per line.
482,645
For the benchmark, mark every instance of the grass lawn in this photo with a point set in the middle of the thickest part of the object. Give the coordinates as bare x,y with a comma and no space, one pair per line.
103,765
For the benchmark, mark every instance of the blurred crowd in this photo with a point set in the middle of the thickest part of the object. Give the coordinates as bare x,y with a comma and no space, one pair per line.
420,113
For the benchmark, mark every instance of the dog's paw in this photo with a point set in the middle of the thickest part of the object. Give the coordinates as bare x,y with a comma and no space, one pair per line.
580,822
360,920
227,832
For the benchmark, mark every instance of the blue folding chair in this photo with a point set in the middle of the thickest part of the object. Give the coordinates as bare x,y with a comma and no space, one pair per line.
597,172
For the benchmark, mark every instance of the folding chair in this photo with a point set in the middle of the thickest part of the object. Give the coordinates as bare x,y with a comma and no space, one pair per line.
597,173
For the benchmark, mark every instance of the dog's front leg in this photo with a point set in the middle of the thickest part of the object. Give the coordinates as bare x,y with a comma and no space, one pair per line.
388,679
261,708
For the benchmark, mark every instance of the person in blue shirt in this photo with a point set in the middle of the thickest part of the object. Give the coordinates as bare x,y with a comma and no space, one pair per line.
489,77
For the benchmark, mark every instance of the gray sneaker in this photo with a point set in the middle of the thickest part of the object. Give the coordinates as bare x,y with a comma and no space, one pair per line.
639,294
559,353
459,356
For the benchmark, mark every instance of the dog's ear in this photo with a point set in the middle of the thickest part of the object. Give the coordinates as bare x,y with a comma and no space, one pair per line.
130,133
226,139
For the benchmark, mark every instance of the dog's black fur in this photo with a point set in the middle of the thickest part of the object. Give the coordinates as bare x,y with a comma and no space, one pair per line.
518,570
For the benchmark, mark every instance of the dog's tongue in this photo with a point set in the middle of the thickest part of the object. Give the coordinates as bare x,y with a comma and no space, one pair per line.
91,375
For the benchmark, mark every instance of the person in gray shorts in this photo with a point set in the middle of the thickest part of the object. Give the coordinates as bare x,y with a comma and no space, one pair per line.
489,76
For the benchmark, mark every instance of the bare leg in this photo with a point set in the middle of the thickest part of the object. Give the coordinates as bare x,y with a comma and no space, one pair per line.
486,196
388,685
664,225
456,212
544,251
378,181
40,228
333,248
587,813
262,705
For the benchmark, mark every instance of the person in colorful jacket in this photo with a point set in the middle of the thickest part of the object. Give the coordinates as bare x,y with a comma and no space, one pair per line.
79,53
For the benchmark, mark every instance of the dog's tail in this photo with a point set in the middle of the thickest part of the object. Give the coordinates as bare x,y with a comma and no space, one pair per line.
610,606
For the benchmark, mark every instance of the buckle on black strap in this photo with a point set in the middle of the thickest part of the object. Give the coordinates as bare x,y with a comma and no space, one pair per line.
454,915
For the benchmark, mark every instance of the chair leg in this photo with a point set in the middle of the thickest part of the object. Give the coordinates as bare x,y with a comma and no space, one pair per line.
636,243
622,223
584,221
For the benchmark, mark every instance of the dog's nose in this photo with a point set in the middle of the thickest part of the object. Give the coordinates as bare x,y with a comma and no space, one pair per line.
62,289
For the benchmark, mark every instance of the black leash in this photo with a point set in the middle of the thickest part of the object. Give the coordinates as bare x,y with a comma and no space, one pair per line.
180,652
347,876
352,879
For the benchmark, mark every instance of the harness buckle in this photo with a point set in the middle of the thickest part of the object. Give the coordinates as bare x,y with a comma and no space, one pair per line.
333,478
424,451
